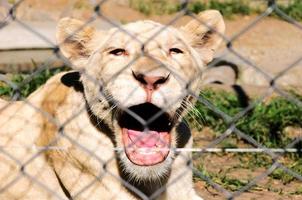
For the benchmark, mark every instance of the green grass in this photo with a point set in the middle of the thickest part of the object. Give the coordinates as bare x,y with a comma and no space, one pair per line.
157,7
26,89
298,191
231,7
293,10
11,1
232,184
265,123
285,177
254,161
227,178
228,8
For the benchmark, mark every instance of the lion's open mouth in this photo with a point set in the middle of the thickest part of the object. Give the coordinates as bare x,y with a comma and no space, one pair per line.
146,145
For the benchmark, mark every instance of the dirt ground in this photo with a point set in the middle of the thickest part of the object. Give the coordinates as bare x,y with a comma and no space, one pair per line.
232,171
271,44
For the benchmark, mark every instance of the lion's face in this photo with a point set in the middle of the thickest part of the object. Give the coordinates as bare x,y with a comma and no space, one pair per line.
142,75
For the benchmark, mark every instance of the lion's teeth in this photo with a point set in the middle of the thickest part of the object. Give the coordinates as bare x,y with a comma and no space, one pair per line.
160,145
146,151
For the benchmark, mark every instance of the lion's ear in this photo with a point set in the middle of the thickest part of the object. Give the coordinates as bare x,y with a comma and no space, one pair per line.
203,32
73,37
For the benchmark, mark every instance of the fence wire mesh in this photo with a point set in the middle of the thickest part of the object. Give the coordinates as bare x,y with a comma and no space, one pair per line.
232,129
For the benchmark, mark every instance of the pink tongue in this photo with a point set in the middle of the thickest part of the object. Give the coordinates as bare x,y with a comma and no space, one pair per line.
145,140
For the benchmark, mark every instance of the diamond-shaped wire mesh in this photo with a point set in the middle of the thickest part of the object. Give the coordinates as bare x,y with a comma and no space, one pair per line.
61,142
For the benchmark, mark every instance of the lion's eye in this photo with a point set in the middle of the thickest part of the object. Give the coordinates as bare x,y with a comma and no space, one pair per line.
118,52
175,51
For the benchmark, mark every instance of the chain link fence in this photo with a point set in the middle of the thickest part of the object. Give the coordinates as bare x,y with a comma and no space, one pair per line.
230,121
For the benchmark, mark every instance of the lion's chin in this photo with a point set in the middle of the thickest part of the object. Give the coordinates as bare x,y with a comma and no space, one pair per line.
146,148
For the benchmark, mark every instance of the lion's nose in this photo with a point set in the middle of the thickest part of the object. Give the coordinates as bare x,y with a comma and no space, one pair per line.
150,82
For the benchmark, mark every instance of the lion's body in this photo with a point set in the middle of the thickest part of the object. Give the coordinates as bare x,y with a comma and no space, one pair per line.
89,135
29,126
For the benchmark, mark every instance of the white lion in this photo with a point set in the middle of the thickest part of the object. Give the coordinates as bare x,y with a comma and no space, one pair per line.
108,129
